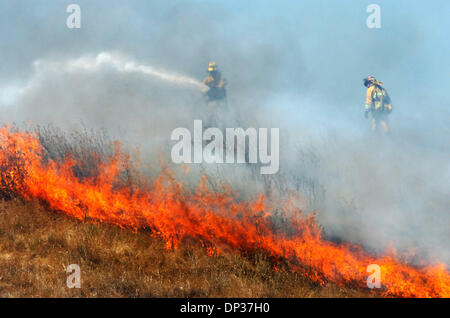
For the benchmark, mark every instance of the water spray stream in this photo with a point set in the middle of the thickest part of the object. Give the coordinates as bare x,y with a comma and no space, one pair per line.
12,93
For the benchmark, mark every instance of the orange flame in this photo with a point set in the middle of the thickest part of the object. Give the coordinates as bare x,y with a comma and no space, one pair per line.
218,220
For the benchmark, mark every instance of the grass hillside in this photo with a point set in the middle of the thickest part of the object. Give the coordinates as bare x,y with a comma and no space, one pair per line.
37,245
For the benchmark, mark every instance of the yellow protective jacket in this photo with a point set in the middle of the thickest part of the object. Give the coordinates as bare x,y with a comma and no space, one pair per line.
377,98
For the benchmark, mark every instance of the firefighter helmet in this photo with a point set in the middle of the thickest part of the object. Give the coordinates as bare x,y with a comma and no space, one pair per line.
212,66
369,80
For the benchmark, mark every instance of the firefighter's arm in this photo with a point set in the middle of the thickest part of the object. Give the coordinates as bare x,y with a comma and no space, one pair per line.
207,86
222,82
369,100
207,81
388,103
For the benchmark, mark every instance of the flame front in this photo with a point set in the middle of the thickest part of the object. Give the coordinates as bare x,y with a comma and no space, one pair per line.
217,219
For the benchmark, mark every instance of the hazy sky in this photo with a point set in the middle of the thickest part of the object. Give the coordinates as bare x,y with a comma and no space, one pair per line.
317,49
316,46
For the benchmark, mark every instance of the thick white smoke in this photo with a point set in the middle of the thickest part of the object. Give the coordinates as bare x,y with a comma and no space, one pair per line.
366,190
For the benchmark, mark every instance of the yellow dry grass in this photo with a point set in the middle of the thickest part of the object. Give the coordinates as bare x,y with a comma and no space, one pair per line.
37,245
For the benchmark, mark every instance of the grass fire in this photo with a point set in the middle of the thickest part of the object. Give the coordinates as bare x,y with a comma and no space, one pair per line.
97,184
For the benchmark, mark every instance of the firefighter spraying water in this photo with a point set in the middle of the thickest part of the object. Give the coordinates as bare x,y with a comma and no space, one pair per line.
215,96
215,82
378,104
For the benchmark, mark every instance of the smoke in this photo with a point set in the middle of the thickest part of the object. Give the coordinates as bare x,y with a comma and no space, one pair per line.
286,68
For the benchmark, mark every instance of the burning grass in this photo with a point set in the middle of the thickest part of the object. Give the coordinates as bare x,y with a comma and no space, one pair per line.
90,185
37,245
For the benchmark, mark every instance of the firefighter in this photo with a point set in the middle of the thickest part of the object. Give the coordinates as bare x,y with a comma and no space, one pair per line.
216,84
378,104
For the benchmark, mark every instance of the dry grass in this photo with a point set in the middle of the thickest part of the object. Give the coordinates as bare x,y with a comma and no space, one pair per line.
37,245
